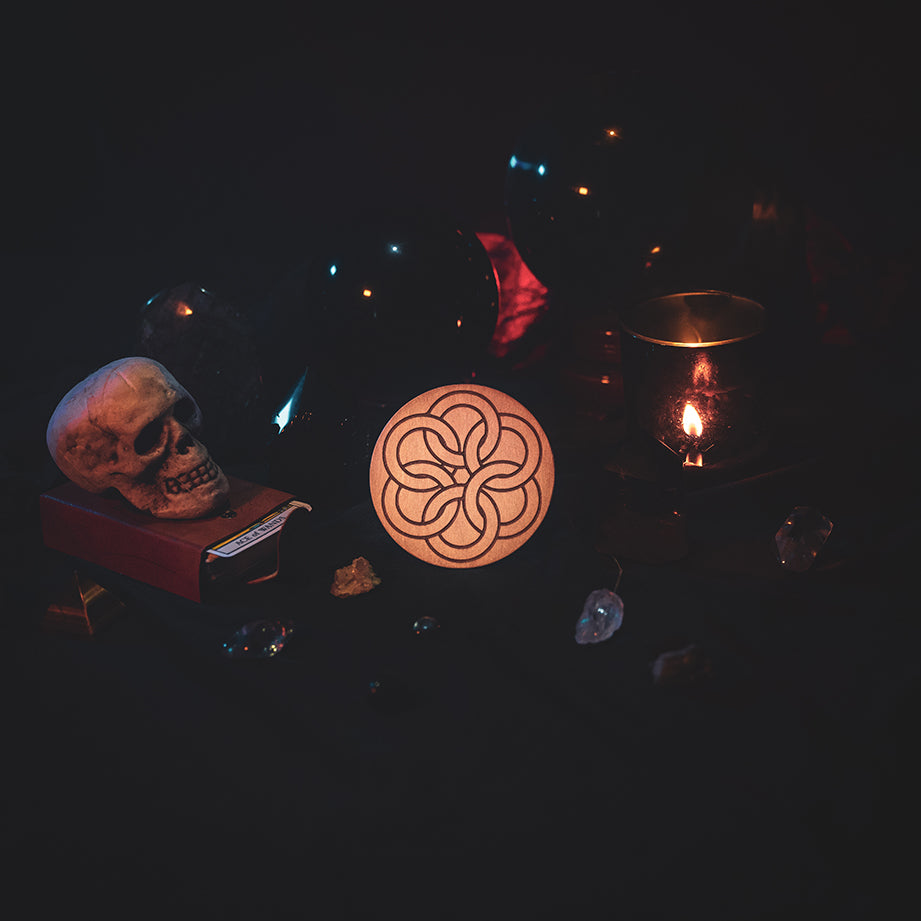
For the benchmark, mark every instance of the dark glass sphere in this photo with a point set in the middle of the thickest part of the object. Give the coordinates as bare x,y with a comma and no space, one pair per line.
324,448
630,186
396,303
208,345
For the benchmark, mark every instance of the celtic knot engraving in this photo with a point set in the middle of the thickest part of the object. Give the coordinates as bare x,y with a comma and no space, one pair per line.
461,476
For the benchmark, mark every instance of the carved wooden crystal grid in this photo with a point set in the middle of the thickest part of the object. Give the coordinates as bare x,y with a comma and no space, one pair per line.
462,476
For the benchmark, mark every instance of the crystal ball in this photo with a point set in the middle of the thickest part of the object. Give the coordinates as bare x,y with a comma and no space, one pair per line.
396,302
629,185
208,344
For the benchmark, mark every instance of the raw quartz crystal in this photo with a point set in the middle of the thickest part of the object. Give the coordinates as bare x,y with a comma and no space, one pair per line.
602,614
259,639
801,537
355,579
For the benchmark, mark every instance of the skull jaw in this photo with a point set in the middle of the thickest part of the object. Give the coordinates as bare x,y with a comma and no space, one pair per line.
193,502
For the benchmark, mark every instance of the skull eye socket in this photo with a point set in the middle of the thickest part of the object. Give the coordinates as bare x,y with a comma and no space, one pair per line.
184,410
149,437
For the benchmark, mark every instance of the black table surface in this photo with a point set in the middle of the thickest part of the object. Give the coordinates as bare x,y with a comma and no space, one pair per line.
510,772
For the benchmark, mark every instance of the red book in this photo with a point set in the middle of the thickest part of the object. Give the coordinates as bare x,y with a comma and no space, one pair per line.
182,557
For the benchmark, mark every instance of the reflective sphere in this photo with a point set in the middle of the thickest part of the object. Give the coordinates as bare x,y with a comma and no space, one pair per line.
208,345
396,303
324,448
630,186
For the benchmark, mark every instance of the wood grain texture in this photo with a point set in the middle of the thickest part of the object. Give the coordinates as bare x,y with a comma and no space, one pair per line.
462,476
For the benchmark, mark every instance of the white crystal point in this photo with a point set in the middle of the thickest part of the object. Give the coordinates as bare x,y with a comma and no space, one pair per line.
602,614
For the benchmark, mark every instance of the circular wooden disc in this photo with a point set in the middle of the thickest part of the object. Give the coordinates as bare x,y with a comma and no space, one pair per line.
461,476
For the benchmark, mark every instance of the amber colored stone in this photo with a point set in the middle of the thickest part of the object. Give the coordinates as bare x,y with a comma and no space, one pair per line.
355,579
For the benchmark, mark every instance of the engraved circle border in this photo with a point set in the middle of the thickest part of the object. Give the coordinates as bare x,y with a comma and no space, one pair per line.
541,501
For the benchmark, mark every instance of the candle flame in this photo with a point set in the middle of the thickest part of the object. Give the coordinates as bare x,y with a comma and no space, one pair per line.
691,423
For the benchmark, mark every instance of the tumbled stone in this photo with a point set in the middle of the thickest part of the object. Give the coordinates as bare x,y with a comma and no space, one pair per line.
355,579
681,666
801,537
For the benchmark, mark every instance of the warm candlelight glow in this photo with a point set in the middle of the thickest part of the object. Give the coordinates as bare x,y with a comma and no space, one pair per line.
702,374
692,367
183,309
691,423
764,212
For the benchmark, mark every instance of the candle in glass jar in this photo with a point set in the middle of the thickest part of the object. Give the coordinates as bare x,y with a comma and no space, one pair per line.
691,367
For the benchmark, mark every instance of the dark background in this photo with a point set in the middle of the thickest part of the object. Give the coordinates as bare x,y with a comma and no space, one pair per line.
149,150
149,147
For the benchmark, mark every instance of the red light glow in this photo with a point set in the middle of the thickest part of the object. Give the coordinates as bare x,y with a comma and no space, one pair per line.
522,298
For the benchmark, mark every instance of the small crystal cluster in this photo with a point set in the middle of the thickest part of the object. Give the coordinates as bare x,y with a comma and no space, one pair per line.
801,537
602,614
355,579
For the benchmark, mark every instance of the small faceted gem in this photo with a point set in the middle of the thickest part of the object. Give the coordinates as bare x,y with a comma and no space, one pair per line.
426,626
355,579
801,537
602,614
260,639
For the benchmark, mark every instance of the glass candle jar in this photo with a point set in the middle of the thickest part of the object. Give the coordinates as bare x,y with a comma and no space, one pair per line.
692,370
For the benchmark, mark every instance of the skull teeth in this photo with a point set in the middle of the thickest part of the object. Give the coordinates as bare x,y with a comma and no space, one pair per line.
203,473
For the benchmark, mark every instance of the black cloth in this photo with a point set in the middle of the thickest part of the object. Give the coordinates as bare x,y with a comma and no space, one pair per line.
502,771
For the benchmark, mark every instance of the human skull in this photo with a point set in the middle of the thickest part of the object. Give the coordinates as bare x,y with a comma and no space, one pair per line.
131,426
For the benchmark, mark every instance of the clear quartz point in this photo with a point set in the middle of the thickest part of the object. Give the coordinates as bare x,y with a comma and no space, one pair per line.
801,537
259,639
602,614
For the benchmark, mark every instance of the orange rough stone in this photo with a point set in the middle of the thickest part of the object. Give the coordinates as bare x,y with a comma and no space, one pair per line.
355,579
